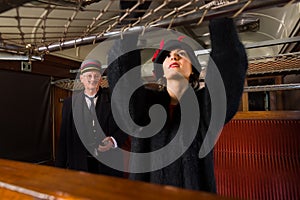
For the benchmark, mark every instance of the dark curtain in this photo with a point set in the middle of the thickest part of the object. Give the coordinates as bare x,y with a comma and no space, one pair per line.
25,131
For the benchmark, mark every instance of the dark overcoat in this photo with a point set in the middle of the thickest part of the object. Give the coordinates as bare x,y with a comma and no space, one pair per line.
72,153
190,170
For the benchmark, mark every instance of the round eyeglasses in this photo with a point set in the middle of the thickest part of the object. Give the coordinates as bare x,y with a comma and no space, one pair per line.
90,76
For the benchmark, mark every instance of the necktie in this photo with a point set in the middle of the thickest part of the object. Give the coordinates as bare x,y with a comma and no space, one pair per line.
92,102
92,107
93,114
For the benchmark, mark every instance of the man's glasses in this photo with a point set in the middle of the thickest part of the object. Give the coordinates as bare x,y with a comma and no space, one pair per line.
90,76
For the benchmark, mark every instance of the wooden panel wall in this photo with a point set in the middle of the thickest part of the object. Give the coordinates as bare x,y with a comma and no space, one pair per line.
53,66
58,96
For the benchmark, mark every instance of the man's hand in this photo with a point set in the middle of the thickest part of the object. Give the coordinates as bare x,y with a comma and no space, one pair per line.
107,144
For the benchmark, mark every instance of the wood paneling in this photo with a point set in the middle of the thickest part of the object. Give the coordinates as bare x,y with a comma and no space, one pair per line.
53,66
58,95
268,115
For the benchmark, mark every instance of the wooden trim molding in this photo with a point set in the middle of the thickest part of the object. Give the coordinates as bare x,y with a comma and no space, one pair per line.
268,115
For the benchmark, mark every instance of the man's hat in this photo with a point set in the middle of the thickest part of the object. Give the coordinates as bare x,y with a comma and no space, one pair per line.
89,65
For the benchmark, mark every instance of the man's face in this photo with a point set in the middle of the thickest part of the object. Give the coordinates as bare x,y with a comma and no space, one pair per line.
91,80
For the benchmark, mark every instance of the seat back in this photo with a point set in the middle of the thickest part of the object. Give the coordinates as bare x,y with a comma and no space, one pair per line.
259,159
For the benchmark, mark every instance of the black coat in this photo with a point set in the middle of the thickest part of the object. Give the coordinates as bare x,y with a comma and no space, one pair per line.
189,170
72,154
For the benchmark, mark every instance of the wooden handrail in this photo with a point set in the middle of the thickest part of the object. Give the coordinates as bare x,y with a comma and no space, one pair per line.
268,115
19,180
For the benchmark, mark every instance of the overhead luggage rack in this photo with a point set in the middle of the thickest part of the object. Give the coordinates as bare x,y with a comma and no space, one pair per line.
283,63
44,26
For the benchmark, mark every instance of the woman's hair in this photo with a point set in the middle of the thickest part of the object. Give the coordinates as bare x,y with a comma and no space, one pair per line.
162,53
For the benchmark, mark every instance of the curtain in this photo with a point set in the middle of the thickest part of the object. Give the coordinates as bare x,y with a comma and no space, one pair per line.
25,128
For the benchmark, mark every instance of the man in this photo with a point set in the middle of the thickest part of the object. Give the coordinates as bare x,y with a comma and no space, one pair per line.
88,129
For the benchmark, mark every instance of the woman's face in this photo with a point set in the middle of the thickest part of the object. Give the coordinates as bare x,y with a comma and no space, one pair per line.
176,64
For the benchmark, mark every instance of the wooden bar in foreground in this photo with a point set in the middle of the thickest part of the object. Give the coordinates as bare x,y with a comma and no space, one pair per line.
19,180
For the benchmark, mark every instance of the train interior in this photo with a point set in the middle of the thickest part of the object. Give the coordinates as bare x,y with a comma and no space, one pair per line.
43,42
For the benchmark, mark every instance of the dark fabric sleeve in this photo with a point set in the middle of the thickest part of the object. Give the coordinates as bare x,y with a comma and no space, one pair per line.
105,117
116,132
122,57
230,56
61,155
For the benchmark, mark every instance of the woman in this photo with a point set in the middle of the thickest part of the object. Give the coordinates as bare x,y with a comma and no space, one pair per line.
180,70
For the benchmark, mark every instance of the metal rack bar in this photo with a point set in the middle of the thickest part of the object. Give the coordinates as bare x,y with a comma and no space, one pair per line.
278,87
190,19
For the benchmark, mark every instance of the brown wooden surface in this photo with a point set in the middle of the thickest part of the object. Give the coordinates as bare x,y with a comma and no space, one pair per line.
268,115
58,95
56,67
245,99
10,194
19,180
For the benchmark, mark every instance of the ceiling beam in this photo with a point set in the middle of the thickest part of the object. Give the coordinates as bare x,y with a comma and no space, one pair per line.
6,5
